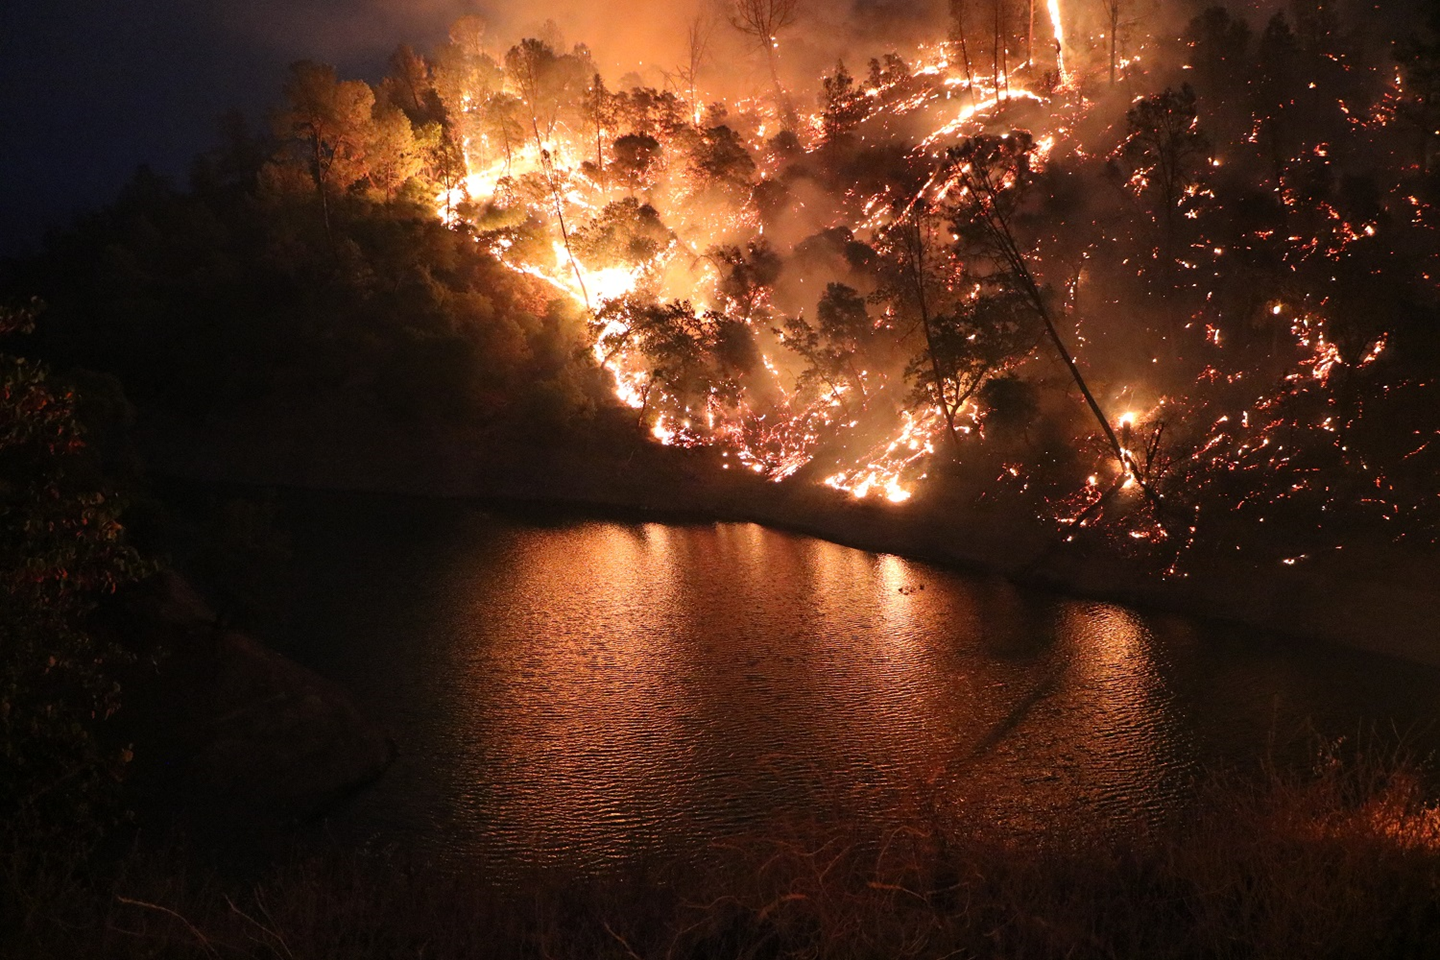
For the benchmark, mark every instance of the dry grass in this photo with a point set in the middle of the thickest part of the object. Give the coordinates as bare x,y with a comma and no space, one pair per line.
1343,861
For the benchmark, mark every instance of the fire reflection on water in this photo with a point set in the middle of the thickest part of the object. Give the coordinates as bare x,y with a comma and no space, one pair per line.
574,714
582,693
637,687
1125,729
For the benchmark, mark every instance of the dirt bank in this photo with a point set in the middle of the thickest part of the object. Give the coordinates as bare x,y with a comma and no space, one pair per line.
1377,596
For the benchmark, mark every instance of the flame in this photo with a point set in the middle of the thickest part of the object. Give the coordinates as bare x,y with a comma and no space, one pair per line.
1054,7
776,441
772,426
884,467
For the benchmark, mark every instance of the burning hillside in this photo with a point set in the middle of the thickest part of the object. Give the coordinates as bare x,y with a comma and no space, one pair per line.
1155,283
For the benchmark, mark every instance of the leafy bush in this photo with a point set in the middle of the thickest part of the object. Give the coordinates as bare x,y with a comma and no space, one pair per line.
62,549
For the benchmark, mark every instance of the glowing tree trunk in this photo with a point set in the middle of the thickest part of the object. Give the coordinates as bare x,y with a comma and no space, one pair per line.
913,240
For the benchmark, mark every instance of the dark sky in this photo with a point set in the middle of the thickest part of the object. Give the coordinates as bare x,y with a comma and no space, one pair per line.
89,89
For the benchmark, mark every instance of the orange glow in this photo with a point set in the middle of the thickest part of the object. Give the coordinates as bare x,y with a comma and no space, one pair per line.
1054,8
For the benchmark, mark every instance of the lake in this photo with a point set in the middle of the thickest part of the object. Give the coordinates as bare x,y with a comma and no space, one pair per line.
581,693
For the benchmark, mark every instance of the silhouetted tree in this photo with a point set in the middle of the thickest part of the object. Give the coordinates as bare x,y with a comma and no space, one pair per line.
1219,44
834,349
625,233
636,158
1276,86
747,275
762,21
721,162
843,106
1165,148
1418,57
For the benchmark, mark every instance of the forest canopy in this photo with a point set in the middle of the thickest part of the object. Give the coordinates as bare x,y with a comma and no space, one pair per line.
1155,289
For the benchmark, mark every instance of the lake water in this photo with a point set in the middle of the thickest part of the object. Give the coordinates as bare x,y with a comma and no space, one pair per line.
581,693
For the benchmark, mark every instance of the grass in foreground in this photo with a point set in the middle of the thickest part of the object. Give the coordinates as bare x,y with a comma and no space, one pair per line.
1341,862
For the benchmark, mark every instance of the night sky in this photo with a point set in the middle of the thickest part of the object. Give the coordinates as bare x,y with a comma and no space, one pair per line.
91,89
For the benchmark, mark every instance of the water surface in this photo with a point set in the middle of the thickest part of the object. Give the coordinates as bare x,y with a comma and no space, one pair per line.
579,692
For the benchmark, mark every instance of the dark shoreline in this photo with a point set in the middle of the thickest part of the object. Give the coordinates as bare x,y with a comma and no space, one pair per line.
1379,604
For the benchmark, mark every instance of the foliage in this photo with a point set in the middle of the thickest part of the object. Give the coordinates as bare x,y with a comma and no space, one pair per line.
721,163
62,550
835,348
843,105
978,338
217,305
694,359
624,234
547,81
1198,252
636,157
327,119
747,275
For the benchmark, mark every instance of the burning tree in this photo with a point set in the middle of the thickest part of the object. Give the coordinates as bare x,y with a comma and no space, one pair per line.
874,282
762,21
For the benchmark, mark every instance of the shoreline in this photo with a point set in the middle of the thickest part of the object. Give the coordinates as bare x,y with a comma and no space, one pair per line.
1330,599
1297,604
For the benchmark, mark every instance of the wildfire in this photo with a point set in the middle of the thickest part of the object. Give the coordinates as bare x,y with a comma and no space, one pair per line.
885,467
719,210
779,442
1053,6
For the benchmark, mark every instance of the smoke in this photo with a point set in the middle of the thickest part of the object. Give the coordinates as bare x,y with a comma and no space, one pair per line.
648,38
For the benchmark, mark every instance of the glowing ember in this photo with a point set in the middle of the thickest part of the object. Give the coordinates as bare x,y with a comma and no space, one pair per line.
678,231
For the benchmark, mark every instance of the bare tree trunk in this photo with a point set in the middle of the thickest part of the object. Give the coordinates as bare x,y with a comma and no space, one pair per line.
644,399
774,72
548,165
1113,7
697,45
1005,41
599,132
995,48
782,99
916,242
1011,257
1030,37
957,11
320,188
